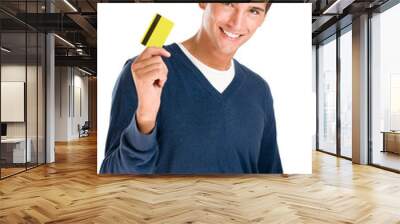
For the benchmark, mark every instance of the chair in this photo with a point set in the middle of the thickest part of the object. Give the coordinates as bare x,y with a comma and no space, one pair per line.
84,130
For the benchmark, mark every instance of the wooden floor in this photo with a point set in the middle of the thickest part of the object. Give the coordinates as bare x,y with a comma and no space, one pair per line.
388,159
10,171
70,191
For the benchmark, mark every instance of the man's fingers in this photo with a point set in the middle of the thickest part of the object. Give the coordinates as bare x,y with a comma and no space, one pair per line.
162,82
146,62
154,67
154,71
154,51
156,78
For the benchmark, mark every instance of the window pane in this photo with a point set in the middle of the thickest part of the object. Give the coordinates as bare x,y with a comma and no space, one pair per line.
327,96
346,94
386,88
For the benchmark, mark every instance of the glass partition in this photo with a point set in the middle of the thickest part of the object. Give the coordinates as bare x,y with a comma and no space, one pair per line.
13,104
41,109
385,89
31,100
22,77
346,93
327,96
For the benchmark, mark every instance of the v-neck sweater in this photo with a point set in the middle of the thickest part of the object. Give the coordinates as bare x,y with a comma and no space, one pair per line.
220,79
198,129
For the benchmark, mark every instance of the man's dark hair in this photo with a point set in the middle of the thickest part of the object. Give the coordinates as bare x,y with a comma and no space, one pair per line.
267,6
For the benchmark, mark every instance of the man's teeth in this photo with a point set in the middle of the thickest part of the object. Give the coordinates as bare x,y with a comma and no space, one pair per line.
231,35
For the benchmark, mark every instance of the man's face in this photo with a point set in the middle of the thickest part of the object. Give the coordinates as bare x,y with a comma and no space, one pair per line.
229,25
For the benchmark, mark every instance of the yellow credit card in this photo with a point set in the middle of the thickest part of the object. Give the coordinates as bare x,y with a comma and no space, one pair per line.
158,31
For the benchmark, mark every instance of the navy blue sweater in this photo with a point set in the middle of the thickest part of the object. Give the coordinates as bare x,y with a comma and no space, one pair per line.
198,129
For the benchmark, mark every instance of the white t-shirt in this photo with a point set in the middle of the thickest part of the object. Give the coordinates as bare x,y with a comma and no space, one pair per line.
219,79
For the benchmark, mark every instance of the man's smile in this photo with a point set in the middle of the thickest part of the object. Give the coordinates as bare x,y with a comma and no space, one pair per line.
230,35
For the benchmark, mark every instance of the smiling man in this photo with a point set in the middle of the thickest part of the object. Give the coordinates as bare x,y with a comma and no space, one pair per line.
191,108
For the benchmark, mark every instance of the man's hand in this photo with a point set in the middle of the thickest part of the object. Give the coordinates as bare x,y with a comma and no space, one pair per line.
149,73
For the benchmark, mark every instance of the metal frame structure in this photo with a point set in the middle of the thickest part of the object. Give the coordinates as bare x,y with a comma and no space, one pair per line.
44,74
389,4
338,29
337,35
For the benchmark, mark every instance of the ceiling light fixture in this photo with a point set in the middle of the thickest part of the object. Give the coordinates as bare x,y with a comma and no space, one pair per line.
70,5
337,7
5,50
84,71
64,40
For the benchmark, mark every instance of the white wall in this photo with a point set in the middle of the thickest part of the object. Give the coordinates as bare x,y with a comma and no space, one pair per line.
80,83
61,104
284,61
33,126
12,73
70,83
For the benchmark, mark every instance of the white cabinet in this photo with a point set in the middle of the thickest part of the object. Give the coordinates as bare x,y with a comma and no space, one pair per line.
18,149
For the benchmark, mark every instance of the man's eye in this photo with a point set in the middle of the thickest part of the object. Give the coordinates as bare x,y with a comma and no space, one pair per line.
228,3
254,12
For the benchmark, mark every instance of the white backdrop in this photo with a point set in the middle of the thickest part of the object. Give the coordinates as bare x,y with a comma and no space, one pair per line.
280,51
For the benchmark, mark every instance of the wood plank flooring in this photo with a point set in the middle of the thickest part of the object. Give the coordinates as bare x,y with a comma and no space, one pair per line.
10,171
388,159
69,191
